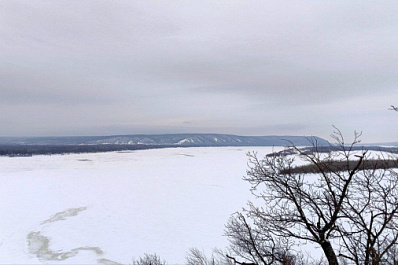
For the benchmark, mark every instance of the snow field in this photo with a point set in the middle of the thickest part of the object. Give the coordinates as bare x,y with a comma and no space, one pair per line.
107,208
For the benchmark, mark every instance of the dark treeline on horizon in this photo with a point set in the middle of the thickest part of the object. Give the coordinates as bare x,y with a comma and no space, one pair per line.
334,148
30,150
16,150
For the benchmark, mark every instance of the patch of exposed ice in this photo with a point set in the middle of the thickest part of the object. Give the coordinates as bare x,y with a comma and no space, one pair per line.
39,246
64,215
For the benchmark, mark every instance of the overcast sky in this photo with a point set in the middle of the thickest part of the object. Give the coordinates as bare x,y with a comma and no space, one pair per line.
239,67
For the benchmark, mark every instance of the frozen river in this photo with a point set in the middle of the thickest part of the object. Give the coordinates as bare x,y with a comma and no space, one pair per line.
107,208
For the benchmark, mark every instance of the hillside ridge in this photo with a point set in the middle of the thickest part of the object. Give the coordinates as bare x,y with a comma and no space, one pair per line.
187,139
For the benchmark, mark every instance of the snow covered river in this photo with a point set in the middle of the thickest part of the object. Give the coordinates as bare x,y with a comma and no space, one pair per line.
107,208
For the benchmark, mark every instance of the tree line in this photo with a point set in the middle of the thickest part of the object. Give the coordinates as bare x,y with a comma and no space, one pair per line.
30,150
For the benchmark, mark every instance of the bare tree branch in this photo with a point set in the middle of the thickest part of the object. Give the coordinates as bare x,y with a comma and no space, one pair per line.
392,107
348,206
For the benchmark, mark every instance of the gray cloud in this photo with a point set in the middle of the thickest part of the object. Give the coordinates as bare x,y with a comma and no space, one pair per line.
258,67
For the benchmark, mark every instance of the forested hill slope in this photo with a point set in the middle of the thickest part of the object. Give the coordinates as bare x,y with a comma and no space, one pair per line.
167,140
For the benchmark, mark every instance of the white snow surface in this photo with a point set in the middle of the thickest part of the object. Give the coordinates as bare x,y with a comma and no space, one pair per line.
106,208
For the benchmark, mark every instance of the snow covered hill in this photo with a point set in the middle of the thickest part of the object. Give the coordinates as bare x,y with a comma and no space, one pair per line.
167,140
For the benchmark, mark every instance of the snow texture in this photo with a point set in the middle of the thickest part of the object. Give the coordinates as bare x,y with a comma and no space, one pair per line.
107,208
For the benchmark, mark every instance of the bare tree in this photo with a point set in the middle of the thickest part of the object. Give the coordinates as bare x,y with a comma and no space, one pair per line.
197,257
349,210
149,259
371,209
392,258
256,244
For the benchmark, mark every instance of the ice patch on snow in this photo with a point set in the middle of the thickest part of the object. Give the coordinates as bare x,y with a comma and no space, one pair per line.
64,215
39,246
108,262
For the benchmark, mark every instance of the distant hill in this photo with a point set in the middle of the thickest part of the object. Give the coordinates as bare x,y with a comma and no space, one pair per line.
167,140
384,144
28,146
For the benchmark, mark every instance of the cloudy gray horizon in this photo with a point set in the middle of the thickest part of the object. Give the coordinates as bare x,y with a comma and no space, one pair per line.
236,67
